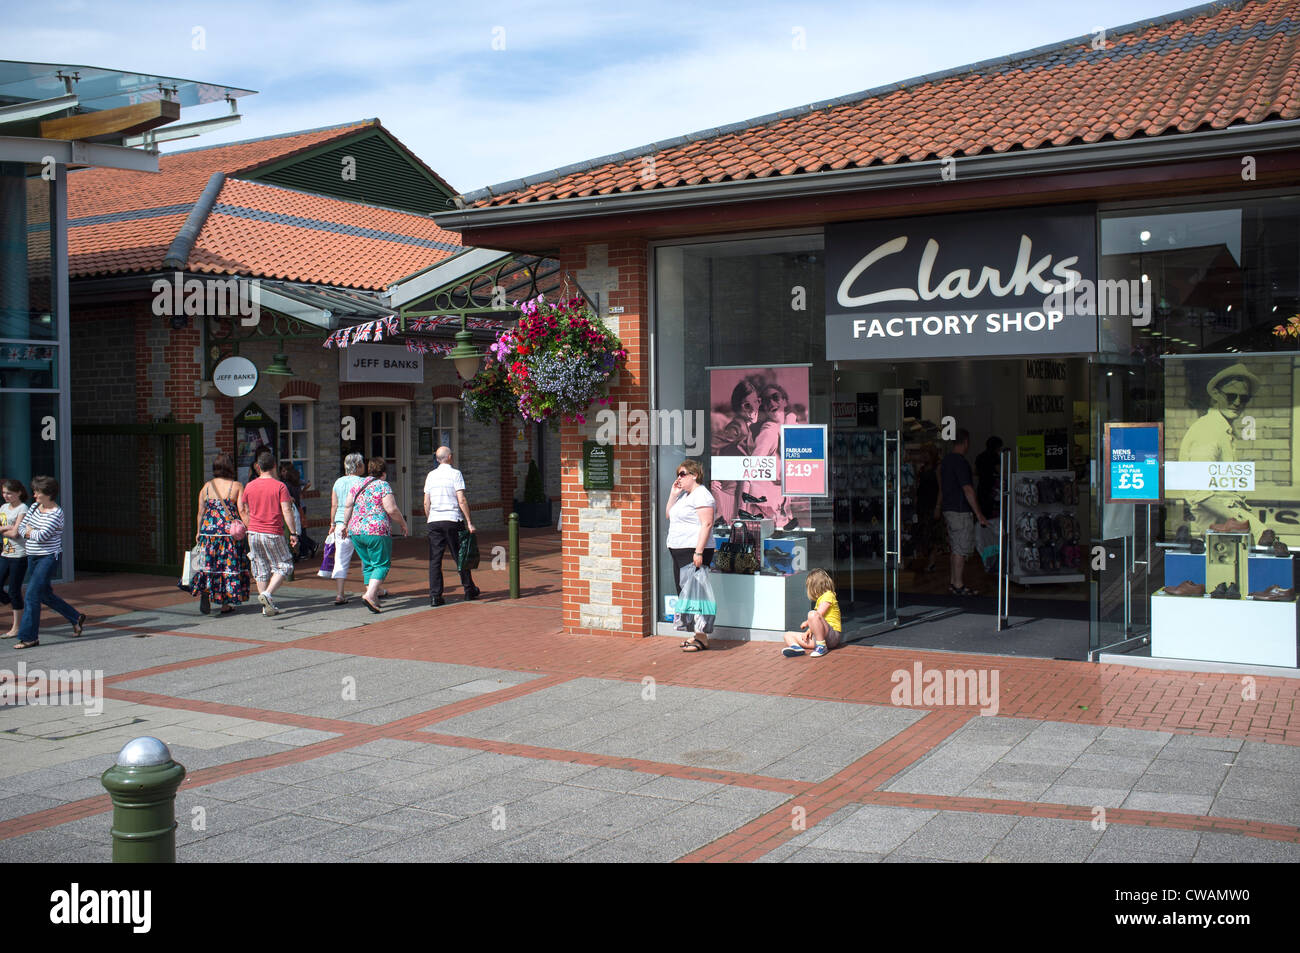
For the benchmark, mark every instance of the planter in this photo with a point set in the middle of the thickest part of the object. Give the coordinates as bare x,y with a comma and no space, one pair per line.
534,515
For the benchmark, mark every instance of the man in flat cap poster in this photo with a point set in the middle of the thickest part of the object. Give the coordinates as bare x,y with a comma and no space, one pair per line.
1210,439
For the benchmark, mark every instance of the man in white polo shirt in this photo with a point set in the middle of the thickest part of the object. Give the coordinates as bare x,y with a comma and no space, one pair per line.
445,504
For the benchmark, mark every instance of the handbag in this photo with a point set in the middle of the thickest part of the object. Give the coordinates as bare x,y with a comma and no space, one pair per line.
746,562
722,558
327,561
467,553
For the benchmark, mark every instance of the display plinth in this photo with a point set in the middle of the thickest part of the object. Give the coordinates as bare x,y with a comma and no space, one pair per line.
1223,630
760,602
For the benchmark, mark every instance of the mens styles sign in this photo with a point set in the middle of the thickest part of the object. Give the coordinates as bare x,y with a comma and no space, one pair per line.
977,284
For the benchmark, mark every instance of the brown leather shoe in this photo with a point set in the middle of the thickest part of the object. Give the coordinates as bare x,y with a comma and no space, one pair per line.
1280,548
1231,526
1186,588
1266,538
1274,594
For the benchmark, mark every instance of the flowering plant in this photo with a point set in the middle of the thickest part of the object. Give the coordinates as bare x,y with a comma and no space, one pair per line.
550,366
1289,330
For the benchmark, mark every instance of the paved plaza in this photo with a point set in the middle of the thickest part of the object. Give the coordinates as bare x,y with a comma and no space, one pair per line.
479,732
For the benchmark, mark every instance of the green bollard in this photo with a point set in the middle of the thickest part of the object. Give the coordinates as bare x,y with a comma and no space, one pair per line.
514,555
143,786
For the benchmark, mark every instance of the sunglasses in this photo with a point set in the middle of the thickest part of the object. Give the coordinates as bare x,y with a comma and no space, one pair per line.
1236,398
768,398
682,473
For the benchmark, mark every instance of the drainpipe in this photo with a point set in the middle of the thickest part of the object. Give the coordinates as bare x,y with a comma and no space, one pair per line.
178,253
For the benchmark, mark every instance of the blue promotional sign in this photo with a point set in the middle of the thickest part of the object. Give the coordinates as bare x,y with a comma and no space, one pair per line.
1134,463
804,468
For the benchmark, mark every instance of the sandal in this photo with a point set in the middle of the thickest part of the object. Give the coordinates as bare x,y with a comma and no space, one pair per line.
695,645
26,645
226,610
342,602
371,606
79,625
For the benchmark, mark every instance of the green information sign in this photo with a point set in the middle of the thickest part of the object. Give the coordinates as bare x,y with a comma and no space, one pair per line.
597,466
1031,453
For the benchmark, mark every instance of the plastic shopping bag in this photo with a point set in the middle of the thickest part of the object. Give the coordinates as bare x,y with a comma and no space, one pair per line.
696,606
986,544
327,561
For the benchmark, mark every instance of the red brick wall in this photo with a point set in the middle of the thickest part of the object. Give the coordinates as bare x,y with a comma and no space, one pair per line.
634,592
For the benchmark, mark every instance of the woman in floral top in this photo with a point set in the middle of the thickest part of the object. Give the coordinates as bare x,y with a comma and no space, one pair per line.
367,521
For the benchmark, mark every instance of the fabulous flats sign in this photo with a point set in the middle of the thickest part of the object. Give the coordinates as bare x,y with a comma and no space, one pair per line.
980,284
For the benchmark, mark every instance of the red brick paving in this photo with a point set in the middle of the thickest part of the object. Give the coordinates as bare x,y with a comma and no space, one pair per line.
526,636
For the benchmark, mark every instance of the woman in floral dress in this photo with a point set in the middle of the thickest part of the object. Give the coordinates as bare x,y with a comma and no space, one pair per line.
225,581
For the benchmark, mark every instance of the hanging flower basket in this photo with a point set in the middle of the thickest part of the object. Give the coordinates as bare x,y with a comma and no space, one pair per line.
551,366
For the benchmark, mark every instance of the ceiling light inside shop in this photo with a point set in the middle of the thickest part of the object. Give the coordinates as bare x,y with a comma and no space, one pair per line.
1144,235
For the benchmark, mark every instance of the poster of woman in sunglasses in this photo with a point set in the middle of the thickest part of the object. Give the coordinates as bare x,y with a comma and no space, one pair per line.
749,405
1222,434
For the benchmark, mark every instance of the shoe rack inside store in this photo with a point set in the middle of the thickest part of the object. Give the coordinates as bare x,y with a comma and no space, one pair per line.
1227,598
1046,528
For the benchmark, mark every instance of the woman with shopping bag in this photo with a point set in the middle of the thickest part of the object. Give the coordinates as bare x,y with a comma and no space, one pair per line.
690,528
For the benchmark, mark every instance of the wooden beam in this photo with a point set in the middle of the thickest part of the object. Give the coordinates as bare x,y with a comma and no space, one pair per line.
123,121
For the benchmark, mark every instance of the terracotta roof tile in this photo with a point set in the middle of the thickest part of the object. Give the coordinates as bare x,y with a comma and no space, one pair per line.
121,221
1207,67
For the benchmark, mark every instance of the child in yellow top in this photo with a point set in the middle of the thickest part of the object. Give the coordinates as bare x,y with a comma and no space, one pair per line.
821,631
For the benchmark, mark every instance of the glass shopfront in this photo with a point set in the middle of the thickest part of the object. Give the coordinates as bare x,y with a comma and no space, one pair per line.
1163,315
29,328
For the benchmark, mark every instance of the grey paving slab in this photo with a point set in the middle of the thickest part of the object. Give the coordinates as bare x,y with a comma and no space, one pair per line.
1260,783
441,844
1216,848
1042,839
955,836
1084,796
623,852
114,652
815,855
538,847
618,815
408,819
1155,840
300,737
722,730
678,789
327,684
751,799
295,852
1281,758
214,818
21,804
1275,812
1200,743
347,810
1118,855
293,827
869,829
222,848
52,846
1169,803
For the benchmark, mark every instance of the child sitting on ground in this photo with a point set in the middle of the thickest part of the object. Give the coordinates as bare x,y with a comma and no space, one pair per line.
823,624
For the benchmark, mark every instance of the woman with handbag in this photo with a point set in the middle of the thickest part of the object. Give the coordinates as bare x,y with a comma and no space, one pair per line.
690,526
224,576
367,521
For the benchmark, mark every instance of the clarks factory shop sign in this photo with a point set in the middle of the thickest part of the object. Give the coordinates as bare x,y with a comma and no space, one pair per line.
979,284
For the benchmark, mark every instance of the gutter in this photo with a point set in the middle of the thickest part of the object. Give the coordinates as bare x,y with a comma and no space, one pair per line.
178,253
1235,142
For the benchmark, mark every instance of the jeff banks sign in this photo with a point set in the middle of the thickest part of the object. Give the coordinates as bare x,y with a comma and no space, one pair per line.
380,362
969,285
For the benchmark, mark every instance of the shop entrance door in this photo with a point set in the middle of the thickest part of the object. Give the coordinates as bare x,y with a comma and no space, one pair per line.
381,431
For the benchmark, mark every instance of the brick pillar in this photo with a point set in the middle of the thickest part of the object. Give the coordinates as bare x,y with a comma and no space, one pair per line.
608,583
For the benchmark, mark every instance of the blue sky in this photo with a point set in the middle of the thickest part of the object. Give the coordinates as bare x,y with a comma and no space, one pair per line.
490,91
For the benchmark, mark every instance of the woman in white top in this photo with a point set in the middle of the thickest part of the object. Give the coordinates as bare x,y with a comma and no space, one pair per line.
13,565
353,466
690,527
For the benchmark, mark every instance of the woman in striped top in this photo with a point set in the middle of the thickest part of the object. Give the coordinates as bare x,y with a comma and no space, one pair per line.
42,532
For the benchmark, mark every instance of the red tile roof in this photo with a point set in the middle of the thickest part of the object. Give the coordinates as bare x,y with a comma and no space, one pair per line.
1204,68
121,221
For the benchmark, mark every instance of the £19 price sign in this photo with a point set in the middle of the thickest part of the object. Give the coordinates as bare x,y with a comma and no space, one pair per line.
803,460
1134,455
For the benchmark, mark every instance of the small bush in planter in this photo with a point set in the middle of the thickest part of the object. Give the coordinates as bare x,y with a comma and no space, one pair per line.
535,510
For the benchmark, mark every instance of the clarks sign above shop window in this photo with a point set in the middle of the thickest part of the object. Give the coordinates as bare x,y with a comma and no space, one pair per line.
380,362
979,284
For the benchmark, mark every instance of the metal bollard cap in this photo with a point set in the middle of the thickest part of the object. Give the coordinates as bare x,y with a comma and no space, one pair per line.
143,752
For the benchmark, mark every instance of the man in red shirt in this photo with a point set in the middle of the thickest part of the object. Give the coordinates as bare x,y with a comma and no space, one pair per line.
267,509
